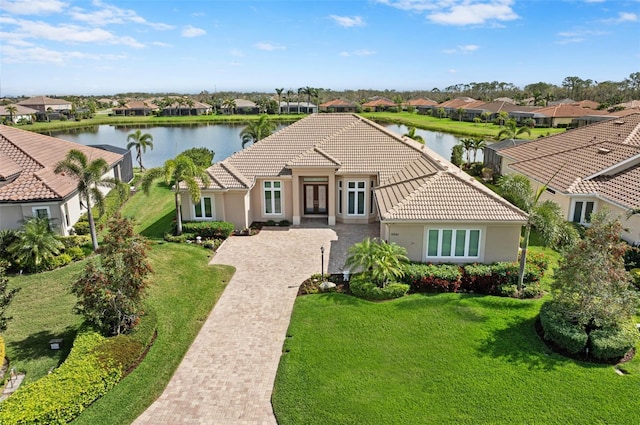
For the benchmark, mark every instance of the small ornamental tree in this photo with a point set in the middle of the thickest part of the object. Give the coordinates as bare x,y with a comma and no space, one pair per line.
383,262
592,288
111,289
6,296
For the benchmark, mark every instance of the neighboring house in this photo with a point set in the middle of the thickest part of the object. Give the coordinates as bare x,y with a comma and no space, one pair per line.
493,108
136,108
44,104
338,105
561,115
586,169
344,168
181,108
417,103
298,108
590,119
379,104
242,106
28,185
451,106
22,113
124,172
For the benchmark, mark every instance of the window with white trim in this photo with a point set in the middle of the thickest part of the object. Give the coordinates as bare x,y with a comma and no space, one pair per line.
340,197
204,209
272,197
41,212
356,197
453,243
582,211
371,197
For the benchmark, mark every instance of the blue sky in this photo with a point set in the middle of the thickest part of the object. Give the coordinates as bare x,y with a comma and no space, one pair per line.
109,46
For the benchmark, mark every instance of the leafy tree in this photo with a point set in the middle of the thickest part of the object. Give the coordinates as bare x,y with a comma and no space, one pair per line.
592,287
456,155
35,244
467,144
141,142
202,157
412,135
112,287
257,130
511,130
6,296
383,262
182,169
12,110
89,177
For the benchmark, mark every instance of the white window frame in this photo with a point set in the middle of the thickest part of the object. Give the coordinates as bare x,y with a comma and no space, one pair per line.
272,190
355,190
340,197
466,257
203,210
34,211
584,203
371,198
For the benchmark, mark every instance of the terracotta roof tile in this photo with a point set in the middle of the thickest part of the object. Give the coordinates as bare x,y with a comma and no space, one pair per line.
43,101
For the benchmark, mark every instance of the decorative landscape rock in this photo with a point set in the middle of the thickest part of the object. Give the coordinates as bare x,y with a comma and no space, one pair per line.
327,286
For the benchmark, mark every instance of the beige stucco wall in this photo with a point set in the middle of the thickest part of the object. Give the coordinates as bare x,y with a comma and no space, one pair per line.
10,216
631,233
257,201
235,208
410,236
501,243
369,216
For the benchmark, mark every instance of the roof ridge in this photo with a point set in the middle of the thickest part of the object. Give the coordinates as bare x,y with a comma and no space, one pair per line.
632,134
326,155
409,143
31,158
564,151
383,186
339,131
235,173
47,185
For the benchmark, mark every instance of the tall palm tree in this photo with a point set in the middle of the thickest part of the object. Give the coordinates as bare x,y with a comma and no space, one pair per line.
485,117
182,169
298,99
229,104
308,91
279,92
257,130
35,243
467,144
288,99
511,130
412,135
89,177
460,113
502,117
141,142
478,144
441,112
12,110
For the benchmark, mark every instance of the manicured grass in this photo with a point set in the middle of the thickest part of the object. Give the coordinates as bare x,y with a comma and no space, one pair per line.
440,359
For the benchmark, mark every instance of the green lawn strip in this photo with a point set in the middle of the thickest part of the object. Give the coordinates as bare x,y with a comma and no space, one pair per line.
183,292
152,214
41,311
447,358
447,125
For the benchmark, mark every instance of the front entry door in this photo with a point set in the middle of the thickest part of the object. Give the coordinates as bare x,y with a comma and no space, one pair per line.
315,198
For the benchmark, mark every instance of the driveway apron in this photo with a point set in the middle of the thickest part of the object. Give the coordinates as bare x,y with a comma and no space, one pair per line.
227,375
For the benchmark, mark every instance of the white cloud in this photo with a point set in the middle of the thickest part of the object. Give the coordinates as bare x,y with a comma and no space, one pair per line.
361,52
11,54
160,44
33,7
622,17
348,21
577,36
66,33
268,46
458,12
236,52
452,71
108,14
467,48
190,31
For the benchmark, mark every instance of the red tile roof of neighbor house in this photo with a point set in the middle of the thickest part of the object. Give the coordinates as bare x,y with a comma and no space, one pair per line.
378,102
461,102
421,102
589,104
567,111
601,158
138,104
20,110
414,181
33,158
43,100
336,103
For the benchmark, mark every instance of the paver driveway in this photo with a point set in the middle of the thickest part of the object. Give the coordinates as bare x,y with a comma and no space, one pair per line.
227,375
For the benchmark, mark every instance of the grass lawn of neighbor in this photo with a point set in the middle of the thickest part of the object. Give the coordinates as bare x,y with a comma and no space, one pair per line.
439,359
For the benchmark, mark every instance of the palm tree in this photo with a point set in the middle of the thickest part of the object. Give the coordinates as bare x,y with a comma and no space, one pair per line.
382,261
12,110
35,243
460,113
502,117
308,91
141,142
298,99
412,135
257,130
288,99
468,147
478,144
485,117
511,130
89,177
441,112
182,169
279,92
229,104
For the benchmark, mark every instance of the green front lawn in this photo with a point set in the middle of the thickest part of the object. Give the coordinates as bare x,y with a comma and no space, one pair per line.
439,359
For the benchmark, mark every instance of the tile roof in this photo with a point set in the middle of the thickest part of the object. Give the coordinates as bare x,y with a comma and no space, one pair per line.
34,156
576,161
422,102
461,102
408,172
565,111
381,101
20,110
43,101
138,104
337,102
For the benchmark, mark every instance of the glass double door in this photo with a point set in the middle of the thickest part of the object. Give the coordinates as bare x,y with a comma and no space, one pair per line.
315,198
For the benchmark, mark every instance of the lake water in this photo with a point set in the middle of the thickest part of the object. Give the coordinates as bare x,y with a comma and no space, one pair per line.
223,139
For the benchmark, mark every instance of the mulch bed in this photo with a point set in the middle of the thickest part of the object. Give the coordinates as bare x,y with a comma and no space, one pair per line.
312,285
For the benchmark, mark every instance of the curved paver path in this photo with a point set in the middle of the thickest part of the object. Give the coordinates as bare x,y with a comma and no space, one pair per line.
227,375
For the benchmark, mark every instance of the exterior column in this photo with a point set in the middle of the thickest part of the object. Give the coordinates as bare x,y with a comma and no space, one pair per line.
331,199
295,198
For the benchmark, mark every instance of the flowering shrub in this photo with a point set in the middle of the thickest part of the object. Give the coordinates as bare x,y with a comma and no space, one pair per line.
432,278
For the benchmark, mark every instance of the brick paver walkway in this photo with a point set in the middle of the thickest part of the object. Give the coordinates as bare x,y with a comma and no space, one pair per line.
227,375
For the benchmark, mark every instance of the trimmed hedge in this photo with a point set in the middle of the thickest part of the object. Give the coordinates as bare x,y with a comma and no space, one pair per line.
432,278
362,287
566,335
2,350
613,343
62,395
209,229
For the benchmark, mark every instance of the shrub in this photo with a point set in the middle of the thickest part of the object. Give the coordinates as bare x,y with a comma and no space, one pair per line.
432,278
169,237
76,253
613,343
568,336
270,223
635,277
632,257
284,223
479,278
75,241
209,229
213,244
58,261
362,287
62,395
2,349
81,228
121,350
